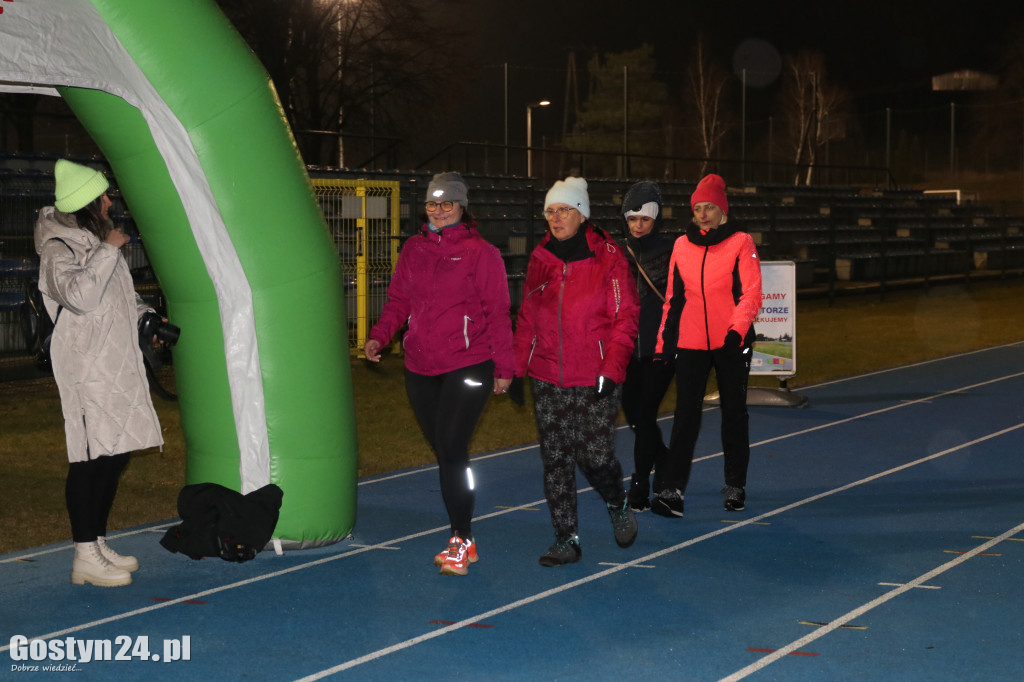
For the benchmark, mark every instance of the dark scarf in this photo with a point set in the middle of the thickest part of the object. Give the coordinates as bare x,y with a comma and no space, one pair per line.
715,236
574,248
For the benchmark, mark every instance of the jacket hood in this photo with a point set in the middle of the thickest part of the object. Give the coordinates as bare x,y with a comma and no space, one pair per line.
638,195
54,224
463,229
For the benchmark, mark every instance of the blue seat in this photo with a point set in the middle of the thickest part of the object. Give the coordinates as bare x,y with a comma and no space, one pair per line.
11,300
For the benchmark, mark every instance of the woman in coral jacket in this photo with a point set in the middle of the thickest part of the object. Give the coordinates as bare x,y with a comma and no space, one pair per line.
574,338
450,287
714,293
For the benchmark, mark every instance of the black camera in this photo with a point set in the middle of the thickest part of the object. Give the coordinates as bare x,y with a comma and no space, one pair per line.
151,324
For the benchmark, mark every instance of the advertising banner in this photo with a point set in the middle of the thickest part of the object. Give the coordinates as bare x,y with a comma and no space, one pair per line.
775,324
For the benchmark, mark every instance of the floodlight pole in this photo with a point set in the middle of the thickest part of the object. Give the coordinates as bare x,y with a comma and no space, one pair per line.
743,129
506,118
529,134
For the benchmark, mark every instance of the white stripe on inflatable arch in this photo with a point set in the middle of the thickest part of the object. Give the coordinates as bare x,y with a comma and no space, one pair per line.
67,43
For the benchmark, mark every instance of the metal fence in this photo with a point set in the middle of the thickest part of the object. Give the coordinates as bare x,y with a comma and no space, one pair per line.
364,220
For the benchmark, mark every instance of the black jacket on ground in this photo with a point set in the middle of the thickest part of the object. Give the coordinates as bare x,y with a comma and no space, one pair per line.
220,522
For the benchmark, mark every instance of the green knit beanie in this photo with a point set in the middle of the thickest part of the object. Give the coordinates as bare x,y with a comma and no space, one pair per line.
77,185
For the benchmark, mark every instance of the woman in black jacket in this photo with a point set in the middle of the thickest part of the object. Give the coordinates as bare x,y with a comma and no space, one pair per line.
647,380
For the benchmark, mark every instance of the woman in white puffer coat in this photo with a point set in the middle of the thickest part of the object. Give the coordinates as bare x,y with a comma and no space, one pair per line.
88,290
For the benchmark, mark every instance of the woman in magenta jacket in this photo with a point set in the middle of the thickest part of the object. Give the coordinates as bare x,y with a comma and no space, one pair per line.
574,337
451,288
714,293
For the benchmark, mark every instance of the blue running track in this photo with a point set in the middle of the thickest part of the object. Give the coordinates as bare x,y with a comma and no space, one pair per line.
883,540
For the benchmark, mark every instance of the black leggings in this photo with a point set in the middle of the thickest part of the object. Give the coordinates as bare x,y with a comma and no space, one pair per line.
732,368
646,384
89,492
448,407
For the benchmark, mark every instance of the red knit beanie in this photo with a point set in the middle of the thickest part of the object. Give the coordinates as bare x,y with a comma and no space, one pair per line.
711,188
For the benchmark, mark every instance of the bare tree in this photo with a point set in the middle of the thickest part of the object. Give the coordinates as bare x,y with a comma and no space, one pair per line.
707,85
354,67
797,97
998,132
815,110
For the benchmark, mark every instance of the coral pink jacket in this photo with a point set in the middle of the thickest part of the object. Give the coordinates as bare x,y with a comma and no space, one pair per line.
714,286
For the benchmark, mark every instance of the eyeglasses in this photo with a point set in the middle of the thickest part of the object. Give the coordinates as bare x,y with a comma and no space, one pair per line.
562,213
443,205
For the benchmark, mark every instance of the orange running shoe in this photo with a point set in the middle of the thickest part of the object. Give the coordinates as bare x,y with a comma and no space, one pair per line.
455,560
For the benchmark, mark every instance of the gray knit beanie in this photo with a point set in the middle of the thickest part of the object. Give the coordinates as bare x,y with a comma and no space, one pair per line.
448,187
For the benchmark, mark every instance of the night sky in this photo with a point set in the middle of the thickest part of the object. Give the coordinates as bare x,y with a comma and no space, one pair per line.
879,51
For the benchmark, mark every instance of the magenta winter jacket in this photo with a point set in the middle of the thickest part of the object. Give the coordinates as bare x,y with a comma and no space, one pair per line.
578,319
452,289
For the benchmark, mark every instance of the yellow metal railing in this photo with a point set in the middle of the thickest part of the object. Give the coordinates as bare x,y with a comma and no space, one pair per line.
363,218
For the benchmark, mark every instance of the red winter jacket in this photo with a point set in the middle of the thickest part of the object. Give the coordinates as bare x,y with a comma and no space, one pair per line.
452,289
714,285
578,319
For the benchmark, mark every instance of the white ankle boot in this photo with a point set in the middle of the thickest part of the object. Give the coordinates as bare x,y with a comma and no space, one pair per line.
125,563
90,566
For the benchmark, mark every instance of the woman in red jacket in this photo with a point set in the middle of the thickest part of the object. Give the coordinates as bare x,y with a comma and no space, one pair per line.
574,337
714,293
450,287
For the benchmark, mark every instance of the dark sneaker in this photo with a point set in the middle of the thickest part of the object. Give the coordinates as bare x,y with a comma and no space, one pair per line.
564,551
623,522
668,503
735,498
639,494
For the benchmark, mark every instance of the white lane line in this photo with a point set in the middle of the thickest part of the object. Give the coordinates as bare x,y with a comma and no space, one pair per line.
71,545
482,617
872,413
620,427
387,544
922,363
533,446
318,562
764,662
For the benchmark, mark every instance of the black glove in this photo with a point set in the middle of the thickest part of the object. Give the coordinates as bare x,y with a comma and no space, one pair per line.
515,391
733,339
604,387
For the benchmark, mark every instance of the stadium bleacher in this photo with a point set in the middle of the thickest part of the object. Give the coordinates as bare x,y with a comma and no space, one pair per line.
836,235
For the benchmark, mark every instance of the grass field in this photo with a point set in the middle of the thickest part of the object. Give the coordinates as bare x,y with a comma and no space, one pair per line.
779,350
855,334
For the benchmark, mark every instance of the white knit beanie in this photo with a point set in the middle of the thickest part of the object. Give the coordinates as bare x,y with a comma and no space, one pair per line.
573,192
648,210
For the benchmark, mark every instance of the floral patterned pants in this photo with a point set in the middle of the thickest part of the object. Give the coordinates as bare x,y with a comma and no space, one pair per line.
577,429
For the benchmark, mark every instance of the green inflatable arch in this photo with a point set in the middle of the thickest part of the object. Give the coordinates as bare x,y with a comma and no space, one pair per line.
192,128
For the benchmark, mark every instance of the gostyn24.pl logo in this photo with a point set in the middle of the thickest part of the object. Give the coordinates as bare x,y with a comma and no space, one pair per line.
42,654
